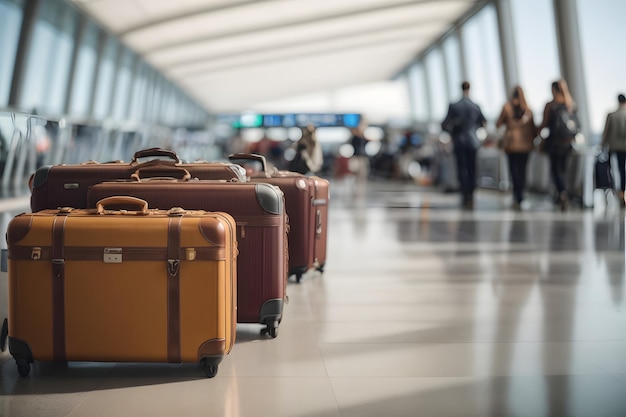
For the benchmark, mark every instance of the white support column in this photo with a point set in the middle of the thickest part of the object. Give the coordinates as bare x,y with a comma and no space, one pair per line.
507,44
570,55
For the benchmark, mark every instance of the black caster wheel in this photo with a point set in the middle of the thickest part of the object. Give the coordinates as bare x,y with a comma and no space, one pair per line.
209,370
271,331
23,369
298,278
321,268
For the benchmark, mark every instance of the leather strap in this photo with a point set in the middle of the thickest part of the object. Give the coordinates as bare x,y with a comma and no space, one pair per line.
129,254
173,290
58,289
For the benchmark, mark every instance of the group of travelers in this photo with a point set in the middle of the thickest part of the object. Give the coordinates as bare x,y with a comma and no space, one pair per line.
516,118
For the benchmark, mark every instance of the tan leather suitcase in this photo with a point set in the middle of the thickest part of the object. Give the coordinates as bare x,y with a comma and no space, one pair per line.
122,286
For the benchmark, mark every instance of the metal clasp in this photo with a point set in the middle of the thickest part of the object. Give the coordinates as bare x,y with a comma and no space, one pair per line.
172,267
35,254
112,255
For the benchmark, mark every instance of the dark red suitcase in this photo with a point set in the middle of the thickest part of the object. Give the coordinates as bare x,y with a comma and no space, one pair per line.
320,208
306,203
259,212
66,185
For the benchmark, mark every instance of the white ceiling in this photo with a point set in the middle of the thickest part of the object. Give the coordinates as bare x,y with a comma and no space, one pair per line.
232,54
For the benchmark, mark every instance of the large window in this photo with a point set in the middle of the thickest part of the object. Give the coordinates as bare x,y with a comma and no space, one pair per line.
602,33
84,72
10,22
438,92
454,68
419,94
123,83
481,45
139,92
106,76
538,66
49,59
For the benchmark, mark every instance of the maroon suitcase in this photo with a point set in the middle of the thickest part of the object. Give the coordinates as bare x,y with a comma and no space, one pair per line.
258,210
306,204
320,207
66,185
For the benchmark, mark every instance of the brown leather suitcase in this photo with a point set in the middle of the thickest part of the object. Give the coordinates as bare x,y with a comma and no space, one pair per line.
307,212
141,286
258,210
58,186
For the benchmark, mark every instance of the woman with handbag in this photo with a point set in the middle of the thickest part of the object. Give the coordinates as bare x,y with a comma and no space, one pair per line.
517,142
557,115
308,158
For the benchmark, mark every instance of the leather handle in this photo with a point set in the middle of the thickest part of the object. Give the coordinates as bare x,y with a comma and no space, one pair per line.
250,157
186,176
121,199
158,152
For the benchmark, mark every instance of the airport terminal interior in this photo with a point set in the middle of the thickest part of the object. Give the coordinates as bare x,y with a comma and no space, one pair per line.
424,306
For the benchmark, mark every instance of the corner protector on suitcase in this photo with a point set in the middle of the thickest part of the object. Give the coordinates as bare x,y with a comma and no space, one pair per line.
271,311
20,350
212,348
41,176
268,198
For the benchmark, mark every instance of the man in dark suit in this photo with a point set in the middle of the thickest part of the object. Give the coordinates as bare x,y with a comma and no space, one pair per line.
463,118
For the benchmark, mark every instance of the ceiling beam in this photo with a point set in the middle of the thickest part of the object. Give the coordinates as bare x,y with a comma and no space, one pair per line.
296,22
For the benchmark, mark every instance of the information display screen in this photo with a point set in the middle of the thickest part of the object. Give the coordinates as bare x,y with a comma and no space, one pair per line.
291,120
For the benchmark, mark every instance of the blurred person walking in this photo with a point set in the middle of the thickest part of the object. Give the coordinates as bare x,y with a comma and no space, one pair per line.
463,119
517,142
309,157
559,116
614,139
360,159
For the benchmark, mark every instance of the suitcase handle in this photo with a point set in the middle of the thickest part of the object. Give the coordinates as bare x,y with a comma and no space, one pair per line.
122,200
186,176
251,157
158,152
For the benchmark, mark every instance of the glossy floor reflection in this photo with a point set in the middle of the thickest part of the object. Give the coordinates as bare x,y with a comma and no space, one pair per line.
424,310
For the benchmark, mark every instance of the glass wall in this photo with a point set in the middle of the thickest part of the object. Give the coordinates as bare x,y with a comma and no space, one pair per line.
139,93
108,81
84,73
123,83
438,90
417,83
454,67
481,44
10,23
106,75
602,33
49,59
537,67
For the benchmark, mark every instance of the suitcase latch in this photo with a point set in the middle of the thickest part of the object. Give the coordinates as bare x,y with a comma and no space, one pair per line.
112,255
71,186
172,267
35,254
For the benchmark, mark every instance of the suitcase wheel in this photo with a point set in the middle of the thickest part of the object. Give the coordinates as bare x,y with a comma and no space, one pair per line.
209,369
271,331
4,333
23,369
298,277
321,268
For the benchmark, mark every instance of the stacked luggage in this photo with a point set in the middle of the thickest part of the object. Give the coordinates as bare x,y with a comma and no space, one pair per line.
157,260
307,208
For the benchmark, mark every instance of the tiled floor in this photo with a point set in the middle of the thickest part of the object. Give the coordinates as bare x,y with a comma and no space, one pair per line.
424,310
